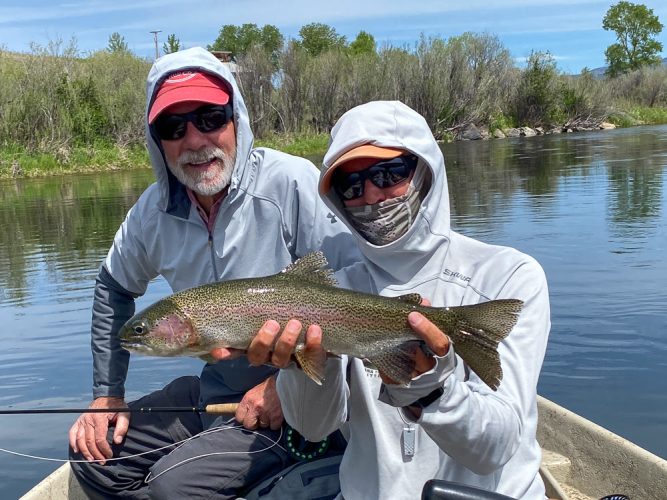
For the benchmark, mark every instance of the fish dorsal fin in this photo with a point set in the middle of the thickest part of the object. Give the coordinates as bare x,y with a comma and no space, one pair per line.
410,298
312,267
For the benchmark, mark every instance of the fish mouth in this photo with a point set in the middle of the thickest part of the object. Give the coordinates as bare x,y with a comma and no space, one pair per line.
136,346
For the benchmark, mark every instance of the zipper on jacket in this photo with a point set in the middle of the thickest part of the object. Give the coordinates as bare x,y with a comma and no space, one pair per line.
210,246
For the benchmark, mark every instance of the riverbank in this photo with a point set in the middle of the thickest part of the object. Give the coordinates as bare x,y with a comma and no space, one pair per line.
16,161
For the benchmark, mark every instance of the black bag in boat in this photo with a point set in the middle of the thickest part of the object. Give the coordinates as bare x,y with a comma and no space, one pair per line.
315,479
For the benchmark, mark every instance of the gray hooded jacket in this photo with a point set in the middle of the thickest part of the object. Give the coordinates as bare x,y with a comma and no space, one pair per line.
270,216
470,435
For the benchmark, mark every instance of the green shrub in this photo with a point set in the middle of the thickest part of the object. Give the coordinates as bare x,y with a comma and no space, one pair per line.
649,115
499,121
536,102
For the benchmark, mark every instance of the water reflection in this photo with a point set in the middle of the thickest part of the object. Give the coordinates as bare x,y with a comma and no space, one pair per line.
590,207
630,163
57,228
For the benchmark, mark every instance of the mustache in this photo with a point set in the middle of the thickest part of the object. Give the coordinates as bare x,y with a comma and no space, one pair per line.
201,156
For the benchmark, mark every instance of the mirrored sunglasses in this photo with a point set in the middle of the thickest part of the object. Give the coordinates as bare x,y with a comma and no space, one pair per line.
383,174
170,127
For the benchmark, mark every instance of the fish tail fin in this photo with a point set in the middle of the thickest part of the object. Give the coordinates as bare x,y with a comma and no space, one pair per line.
476,330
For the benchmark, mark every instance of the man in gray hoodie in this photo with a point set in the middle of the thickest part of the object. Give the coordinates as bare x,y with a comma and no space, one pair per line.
384,176
219,209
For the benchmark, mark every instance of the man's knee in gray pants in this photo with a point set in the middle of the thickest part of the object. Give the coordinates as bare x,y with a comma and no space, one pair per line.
221,465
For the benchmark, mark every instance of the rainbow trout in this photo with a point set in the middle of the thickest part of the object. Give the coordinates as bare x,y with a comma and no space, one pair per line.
229,314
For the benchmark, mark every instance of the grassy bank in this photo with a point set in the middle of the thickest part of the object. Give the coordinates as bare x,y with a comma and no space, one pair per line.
632,116
645,115
17,161
307,145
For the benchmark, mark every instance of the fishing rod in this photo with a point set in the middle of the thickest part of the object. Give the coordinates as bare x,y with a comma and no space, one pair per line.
297,445
214,409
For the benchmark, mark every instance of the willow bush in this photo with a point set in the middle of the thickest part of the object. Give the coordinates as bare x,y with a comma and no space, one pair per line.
291,99
32,108
364,80
53,99
429,85
584,99
644,87
255,78
483,78
326,77
120,82
58,102
397,73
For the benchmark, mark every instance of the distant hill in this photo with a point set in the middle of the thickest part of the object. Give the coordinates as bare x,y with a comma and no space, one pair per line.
599,72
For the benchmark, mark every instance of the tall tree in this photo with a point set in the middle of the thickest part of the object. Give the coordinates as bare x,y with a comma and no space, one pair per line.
172,45
117,44
239,39
317,38
636,27
227,39
272,40
363,44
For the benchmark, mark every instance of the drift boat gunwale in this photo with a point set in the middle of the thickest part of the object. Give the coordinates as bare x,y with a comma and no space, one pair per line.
580,461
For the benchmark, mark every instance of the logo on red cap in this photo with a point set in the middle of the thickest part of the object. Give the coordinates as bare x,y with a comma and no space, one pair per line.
189,86
180,77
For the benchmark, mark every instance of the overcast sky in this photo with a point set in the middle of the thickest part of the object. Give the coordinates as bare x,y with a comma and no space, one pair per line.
571,30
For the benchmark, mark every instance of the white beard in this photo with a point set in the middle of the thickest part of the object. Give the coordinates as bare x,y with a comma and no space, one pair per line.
205,182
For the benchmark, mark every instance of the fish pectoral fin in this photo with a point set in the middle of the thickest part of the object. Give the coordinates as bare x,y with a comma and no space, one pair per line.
410,298
311,362
398,363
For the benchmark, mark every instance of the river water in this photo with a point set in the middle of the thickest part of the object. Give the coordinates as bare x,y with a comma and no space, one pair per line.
590,207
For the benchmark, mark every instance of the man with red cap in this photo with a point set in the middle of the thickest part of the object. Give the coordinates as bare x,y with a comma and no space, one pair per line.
219,209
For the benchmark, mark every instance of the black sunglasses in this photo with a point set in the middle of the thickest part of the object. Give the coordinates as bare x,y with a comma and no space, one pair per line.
382,174
170,127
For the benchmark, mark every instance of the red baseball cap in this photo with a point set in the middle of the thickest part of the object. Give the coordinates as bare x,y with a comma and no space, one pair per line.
188,86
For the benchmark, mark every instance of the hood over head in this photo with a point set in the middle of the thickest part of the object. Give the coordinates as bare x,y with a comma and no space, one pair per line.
208,70
392,124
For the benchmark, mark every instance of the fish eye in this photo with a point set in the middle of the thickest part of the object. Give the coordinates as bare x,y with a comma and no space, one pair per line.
139,328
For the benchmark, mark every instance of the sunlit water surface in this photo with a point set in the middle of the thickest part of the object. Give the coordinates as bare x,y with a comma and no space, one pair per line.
591,207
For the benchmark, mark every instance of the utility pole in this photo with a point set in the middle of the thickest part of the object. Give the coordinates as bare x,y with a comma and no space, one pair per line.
157,54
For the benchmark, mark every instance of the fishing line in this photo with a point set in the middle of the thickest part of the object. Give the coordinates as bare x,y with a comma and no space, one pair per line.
149,479
177,444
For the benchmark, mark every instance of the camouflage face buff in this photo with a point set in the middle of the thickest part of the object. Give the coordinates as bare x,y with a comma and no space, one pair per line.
386,221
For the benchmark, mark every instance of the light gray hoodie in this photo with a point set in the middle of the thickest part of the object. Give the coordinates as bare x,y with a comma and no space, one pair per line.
470,435
270,216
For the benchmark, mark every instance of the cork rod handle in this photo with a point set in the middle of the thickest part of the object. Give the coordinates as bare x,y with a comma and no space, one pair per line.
222,408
